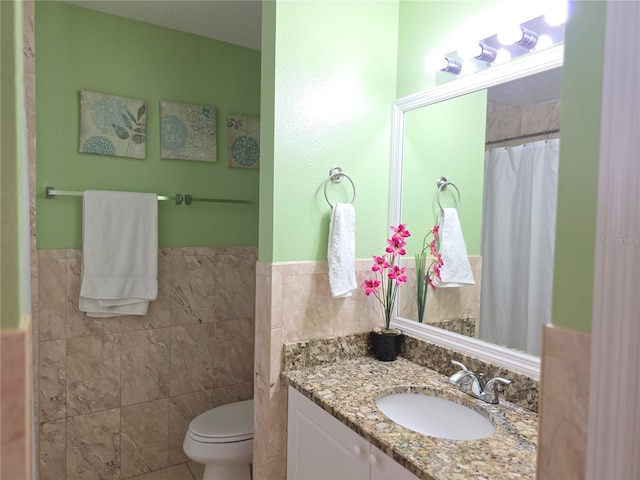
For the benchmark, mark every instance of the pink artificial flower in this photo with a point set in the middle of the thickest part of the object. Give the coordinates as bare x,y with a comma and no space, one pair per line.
398,275
370,286
401,230
396,246
433,248
379,263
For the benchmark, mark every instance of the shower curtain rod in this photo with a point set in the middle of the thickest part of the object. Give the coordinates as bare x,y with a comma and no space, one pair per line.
522,137
178,198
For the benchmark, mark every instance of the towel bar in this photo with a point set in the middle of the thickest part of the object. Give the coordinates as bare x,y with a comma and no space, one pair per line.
179,199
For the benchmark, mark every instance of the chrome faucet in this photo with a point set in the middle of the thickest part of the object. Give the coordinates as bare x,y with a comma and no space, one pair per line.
472,384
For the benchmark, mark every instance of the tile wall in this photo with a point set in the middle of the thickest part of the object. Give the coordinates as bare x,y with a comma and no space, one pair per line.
114,396
564,411
505,121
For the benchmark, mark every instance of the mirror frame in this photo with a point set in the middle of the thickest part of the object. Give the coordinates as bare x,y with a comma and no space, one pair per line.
531,64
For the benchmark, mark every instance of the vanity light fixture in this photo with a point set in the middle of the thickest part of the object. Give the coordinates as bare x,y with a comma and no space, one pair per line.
518,35
479,51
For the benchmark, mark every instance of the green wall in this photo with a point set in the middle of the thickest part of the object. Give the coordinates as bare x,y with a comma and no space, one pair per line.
578,171
83,49
335,76
14,270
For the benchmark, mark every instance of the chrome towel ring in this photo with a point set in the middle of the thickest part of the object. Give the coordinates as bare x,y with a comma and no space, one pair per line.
336,175
443,183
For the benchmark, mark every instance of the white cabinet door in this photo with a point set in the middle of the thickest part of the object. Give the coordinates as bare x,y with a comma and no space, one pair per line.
320,447
383,467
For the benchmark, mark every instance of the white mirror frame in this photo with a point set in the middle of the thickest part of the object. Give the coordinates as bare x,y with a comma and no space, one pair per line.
513,360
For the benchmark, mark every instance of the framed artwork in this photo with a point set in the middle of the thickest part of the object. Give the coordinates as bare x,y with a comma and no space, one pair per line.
112,125
243,141
188,132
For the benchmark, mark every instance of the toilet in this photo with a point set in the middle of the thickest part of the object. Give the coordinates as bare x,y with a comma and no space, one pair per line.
222,440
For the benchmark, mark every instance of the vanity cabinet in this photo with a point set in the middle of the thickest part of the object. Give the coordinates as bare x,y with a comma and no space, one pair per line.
320,447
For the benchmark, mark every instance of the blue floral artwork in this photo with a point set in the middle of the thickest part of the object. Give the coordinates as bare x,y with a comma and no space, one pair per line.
111,125
243,141
188,132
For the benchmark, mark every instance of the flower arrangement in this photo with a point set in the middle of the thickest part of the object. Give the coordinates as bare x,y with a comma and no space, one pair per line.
424,273
388,275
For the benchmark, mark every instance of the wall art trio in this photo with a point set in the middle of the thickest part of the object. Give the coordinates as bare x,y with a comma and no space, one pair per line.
117,126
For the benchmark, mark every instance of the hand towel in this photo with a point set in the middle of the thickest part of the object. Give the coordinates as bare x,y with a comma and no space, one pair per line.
120,253
341,252
456,271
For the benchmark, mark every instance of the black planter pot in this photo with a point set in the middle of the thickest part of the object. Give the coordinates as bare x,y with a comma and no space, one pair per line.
386,345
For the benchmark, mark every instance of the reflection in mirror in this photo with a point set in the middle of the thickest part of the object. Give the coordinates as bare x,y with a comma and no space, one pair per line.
506,135
498,143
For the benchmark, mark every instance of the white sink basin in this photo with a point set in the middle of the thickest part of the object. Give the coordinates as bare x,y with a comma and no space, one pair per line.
434,416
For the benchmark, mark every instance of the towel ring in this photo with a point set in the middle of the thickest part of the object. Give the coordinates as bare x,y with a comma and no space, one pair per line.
336,175
443,183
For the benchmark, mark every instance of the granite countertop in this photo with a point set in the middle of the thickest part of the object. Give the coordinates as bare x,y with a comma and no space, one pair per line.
348,389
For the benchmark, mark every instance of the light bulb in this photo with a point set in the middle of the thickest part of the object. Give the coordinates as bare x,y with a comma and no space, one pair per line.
469,66
544,41
469,51
479,51
502,56
435,63
557,13
510,34
518,35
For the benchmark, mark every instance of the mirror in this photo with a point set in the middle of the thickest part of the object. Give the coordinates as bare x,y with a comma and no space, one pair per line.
442,132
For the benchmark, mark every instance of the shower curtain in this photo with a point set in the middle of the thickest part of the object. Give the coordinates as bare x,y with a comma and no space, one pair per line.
518,235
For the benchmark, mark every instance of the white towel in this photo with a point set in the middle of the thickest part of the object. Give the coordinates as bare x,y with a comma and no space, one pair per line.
120,253
341,252
456,271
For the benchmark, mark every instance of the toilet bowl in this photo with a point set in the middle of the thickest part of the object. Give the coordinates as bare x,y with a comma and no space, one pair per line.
222,440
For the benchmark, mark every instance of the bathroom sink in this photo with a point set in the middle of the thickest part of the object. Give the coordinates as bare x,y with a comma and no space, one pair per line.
435,416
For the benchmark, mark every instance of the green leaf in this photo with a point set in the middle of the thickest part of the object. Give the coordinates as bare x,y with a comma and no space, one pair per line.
141,111
120,132
138,138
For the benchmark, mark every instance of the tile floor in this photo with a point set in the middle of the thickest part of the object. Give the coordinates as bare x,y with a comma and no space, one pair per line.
183,471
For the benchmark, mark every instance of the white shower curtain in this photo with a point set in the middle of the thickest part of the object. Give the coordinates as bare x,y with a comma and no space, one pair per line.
518,235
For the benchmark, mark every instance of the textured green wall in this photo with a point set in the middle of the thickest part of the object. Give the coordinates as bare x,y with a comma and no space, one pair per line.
82,49
10,191
578,171
335,73
267,136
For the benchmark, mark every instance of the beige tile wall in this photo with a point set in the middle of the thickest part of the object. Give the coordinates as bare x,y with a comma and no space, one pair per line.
564,407
115,395
293,302
15,427
505,121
